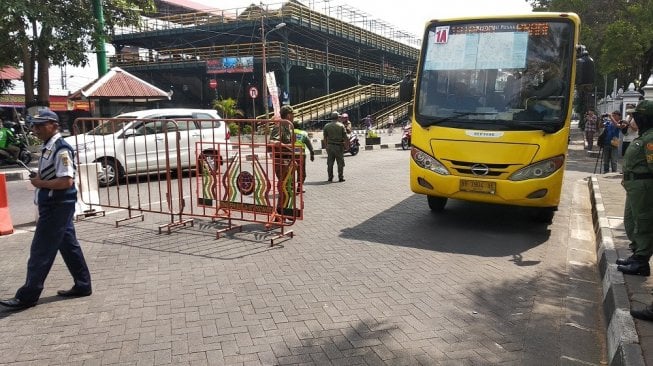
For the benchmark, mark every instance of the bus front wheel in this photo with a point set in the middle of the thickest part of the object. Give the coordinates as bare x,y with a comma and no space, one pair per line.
436,204
545,214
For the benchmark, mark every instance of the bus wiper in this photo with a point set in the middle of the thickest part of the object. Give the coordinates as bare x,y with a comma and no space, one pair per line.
544,126
457,114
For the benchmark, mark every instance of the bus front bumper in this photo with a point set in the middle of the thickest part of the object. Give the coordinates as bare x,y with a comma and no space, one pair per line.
543,192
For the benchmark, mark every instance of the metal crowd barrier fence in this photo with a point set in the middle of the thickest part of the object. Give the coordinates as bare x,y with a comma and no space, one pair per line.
194,168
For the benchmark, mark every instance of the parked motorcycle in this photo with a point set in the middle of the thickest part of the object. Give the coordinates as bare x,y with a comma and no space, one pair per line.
19,141
354,144
405,137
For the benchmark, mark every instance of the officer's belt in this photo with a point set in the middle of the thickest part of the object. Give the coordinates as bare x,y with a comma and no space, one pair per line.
637,176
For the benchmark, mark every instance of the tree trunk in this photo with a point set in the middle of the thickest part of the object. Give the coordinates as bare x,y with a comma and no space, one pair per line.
43,58
28,70
43,98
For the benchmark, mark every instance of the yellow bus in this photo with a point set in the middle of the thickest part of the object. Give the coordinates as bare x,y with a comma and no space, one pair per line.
492,106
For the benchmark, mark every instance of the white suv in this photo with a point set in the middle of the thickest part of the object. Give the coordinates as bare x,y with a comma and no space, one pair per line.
138,142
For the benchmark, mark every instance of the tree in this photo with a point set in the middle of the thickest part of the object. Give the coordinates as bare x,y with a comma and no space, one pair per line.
226,107
56,32
616,32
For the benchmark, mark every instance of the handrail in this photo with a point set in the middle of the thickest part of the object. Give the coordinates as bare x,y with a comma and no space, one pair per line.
398,111
290,12
274,50
320,108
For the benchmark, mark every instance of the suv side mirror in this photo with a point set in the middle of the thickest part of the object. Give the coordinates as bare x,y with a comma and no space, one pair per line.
129,133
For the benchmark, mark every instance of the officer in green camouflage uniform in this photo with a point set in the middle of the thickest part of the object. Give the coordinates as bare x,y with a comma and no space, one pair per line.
638,213
335,138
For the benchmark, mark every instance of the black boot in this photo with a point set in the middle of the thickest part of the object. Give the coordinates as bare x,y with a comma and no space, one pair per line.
638,266
644,314
624,261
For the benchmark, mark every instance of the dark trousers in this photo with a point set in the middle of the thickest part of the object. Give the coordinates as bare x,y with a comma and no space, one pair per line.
610,155
335,153
638,218
54,233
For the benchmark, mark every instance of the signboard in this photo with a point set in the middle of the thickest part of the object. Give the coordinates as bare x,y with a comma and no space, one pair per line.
273,92
253,92
227,65
58,103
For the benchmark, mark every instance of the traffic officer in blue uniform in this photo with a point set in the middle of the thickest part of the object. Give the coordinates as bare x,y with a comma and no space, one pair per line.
638,212
55,196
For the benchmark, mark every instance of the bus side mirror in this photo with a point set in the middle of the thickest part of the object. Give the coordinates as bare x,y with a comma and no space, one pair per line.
584,67
406,90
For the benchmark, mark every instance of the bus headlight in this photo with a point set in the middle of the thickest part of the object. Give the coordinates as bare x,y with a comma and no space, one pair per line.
540,169
426,161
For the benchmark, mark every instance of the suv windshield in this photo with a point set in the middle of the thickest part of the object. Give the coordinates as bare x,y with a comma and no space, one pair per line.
508,75
108,127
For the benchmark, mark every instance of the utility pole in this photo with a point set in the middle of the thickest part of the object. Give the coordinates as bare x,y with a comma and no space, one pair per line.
99,39
264,61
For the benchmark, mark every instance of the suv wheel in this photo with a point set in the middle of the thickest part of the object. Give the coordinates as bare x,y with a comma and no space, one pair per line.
110,172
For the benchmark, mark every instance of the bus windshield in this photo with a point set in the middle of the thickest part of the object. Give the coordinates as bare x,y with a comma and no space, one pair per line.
496,75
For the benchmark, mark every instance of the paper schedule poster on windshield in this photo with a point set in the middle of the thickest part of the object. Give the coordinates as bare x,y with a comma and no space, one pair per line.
503,50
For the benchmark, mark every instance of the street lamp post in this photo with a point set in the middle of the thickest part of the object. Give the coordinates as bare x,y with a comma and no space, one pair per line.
264,61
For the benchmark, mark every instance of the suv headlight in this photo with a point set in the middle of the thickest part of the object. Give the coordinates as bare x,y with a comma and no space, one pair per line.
540,169
426,161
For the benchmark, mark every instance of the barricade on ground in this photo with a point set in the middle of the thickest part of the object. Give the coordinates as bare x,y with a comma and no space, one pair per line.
192,168
6,225
88,199
257,183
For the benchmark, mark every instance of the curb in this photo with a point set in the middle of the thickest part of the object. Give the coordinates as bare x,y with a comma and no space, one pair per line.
621,335
366,148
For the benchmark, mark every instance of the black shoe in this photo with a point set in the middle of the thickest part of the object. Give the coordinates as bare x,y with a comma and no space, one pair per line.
330,179
75,292
636,267
17,304
341,179
624,261
644,314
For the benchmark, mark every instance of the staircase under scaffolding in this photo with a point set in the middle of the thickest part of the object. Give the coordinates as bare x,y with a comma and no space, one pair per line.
313,114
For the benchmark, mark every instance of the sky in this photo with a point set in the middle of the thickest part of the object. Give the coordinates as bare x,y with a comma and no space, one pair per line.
404,15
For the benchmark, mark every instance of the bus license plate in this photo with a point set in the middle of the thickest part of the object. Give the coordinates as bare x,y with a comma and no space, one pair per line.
479,186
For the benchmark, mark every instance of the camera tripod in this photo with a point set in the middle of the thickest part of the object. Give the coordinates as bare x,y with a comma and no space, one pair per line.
598,158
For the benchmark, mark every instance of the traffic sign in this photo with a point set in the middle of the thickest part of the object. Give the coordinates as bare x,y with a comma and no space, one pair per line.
213,83
253,92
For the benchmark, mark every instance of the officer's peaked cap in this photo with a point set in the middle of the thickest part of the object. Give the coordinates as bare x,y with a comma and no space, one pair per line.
645,108
335,114
42,116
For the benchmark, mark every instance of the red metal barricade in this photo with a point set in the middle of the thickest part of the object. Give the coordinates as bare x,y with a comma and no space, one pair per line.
248,177
258,183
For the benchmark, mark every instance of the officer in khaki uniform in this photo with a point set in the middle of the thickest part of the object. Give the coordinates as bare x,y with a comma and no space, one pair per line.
638,213
335,138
